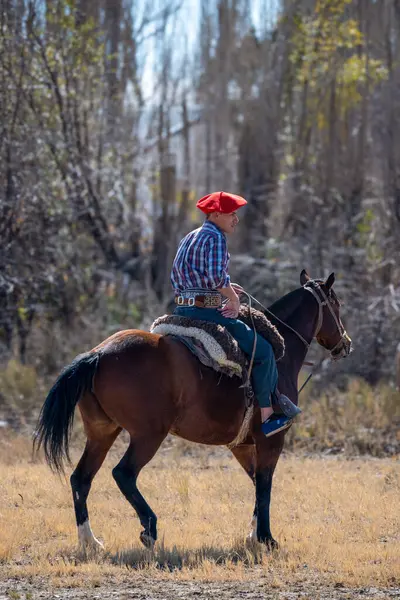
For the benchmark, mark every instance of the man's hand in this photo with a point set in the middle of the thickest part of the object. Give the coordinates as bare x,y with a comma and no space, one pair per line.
231,308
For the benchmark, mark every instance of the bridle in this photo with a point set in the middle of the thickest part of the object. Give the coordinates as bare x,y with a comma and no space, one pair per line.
322,299
315,289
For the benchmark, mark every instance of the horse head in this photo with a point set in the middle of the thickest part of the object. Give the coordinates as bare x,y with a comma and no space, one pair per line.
330,332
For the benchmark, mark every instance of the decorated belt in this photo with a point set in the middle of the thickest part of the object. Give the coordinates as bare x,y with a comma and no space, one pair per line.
200,300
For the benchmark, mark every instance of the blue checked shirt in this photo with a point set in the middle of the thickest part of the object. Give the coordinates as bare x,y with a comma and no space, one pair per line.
201,260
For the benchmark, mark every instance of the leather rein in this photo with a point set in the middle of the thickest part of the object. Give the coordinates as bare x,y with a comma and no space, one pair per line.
322,299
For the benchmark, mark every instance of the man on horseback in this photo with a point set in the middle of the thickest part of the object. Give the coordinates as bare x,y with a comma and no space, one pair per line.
200,279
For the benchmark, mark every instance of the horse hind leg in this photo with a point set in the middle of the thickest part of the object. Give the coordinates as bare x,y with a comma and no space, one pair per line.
139,453
101,436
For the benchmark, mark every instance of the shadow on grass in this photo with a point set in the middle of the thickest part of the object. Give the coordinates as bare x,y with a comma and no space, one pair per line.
175,558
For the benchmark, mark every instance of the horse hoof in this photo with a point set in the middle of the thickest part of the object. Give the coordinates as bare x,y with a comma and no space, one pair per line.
147,540
98,545
271,544
92,547
88,543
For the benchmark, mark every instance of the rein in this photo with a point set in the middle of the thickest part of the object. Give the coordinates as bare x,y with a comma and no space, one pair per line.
307,344
311,286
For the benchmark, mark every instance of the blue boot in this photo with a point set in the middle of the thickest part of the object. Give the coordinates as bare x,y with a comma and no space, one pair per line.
275,423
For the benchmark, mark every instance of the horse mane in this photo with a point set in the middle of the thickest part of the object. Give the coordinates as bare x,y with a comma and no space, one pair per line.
286,306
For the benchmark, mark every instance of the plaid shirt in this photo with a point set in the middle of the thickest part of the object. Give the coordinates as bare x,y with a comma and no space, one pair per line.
201,261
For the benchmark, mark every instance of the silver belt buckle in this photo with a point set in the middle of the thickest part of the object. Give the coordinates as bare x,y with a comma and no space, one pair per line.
191,301
180,300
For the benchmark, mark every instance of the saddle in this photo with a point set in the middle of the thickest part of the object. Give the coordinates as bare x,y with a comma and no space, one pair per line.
214,346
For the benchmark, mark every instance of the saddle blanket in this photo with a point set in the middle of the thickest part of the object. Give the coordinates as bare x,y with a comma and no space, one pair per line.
213,344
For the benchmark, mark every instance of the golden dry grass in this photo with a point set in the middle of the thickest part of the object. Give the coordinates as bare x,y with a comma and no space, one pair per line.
336,520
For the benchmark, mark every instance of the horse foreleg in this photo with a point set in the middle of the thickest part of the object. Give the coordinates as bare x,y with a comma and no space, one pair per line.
81,481
268,451
139,453
245,454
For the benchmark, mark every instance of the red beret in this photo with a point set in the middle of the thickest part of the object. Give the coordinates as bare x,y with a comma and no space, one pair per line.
221,202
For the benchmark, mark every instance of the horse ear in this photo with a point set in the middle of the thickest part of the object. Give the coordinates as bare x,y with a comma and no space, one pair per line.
304,277
330,281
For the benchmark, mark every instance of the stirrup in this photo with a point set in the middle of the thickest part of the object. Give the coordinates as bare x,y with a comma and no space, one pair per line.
287,406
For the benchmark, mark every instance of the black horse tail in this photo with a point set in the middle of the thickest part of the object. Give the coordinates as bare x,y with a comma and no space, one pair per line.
57,415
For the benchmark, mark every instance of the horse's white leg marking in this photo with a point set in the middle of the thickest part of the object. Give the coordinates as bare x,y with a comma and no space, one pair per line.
252,537
86,537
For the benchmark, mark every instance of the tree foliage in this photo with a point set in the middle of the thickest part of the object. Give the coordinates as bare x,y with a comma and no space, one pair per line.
114,117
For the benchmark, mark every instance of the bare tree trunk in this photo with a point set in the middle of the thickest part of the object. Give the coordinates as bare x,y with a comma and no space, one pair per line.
226,26
184,205
112,22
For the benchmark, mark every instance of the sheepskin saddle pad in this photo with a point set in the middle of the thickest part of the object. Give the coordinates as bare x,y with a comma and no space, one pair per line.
213,345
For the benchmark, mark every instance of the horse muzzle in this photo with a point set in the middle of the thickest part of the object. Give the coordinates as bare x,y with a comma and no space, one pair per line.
343,348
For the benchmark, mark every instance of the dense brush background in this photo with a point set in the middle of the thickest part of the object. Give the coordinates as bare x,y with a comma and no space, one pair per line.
116,115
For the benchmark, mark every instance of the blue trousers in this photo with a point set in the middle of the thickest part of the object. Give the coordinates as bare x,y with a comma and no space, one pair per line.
264,373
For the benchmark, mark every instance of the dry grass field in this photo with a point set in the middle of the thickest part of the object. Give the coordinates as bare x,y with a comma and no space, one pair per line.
337,521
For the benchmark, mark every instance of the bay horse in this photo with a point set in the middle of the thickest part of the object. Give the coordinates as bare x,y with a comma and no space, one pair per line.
151,385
